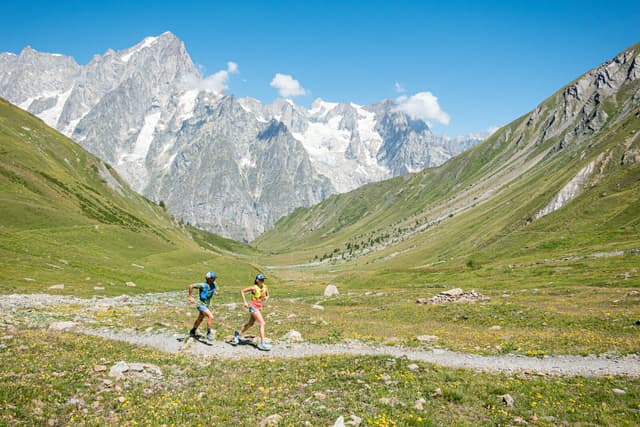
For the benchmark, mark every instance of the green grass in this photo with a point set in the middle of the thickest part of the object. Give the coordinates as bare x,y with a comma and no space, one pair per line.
67,218
381,391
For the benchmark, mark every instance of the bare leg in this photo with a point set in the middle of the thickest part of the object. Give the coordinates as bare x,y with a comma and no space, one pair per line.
258,317
247,325
209,315
198,321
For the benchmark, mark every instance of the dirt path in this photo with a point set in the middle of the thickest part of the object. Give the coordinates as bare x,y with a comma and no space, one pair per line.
39,309
550,365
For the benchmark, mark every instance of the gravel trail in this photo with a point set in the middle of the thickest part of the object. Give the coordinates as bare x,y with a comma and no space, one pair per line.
550,365
35,309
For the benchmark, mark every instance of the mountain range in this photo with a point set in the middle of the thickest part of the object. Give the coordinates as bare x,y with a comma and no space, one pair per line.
561,179
229,165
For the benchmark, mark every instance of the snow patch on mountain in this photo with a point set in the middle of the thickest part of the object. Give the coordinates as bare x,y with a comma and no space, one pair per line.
568,192
147,42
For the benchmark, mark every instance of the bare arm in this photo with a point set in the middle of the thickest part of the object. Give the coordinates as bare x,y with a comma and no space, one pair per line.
244,291
191,292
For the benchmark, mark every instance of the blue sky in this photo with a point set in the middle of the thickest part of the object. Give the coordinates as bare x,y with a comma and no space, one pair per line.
487,63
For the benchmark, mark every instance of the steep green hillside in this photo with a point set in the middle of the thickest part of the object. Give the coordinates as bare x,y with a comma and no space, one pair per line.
481,206
67,218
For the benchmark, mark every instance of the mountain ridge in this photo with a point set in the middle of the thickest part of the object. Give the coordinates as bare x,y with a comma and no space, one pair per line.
533,160
141,109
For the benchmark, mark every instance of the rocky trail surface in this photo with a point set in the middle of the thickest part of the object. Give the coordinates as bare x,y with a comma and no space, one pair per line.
32,310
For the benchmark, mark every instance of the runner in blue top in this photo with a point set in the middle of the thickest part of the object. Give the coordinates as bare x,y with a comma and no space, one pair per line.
206,292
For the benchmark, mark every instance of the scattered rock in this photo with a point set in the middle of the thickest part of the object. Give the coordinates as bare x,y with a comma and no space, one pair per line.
137,266
413,367
320,396
391,401
136,367
519,420
453,295
317,307
330,291
131,284
57,287
419,405
353,421
339,422
629,294
29,279
98,288
271,420
495,328
292,336
99,368
122,399
74,401
427,338
62,326
437,392
456,292
618,391
508,400
117,371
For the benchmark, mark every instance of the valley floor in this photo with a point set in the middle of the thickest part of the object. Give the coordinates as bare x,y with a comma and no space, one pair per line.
47,311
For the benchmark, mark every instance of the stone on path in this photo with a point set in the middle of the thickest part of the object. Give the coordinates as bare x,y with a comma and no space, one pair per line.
330,291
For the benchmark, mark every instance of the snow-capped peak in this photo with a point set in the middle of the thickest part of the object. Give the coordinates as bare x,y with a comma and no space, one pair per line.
147,42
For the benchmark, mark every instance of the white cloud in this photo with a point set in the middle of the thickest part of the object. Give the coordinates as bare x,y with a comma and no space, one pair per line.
232,67
422,105
493,129
398,88
287,86
216,83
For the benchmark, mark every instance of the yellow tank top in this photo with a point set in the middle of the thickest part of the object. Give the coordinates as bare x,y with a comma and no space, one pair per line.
257,295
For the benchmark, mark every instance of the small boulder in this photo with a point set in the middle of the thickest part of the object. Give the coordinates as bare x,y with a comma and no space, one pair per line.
57,287
292,336
99,368
453,292
618,391
507,399
427,338
117,371
353,421
62,326
317,307
339,422
419,405
130,284
413,367
271,420
330,291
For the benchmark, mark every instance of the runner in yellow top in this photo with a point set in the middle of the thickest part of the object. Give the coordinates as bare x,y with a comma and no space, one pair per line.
259,293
